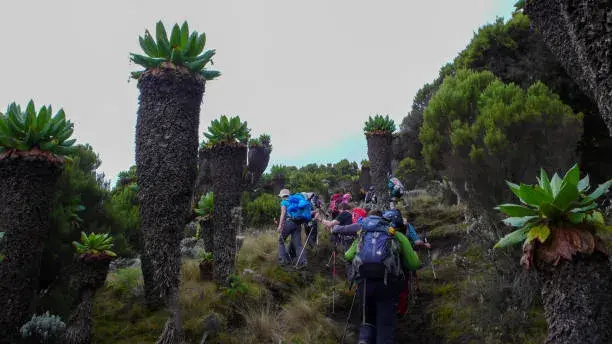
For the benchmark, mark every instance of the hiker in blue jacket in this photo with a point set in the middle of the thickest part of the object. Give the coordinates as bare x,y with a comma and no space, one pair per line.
289,227
380,256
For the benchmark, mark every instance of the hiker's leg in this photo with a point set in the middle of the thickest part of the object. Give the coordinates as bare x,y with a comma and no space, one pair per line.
282,250
386,305
402,307
296,241
367,330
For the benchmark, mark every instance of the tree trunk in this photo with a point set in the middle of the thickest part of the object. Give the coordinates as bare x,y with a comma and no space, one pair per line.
166,167
258,159
90,277
364,177
153,298
579,34
227,174
26,185
204,181
379,155
577,298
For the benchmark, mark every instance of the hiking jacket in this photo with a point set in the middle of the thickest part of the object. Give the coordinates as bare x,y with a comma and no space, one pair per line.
412,234
410,260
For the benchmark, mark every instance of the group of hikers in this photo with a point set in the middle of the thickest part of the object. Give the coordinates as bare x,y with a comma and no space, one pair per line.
378,244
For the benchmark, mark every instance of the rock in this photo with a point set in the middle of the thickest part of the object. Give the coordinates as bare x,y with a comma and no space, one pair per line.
212,325
191,247
122,263
191,229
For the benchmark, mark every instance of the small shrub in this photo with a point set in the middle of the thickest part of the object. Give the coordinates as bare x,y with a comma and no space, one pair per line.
45,328
262,210
205,205
235,287
126,282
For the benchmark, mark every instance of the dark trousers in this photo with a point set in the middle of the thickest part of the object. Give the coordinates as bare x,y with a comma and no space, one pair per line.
293,229
378,306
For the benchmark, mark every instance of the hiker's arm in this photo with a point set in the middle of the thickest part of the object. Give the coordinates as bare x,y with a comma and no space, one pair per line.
409,257
281,221
415,238
329,224
348,229
350,253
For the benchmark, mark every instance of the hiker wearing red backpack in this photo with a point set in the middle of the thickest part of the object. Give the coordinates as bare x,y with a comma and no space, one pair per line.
380,256
335,201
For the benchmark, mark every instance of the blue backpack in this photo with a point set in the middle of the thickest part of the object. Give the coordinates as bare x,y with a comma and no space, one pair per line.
378,251
394,216
298,207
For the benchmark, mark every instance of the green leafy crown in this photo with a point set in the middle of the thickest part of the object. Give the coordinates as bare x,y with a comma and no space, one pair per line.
552,203
205,205
95,244
31,129
263,140
378,123
227,131
183,48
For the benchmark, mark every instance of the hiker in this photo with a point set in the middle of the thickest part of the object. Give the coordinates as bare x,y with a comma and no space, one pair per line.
295,211
343,218
370,196
335,201
347,197
380,256
312,226
415,240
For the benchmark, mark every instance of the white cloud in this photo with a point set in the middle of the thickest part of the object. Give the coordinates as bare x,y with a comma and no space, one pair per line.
312,69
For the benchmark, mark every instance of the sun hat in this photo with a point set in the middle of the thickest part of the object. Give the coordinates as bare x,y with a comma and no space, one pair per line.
284,192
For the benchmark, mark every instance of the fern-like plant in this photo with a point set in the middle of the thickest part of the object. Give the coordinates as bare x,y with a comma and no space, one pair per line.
205,205
184,48
379,125
95,245
227,131
557,212
30,129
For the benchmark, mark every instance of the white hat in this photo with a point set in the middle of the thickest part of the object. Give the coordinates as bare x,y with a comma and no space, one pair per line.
284,192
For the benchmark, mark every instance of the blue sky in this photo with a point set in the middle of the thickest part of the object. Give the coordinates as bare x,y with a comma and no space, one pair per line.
309,73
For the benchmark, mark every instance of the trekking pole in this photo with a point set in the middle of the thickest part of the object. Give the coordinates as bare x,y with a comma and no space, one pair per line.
348,318
430,260
303,247
334,283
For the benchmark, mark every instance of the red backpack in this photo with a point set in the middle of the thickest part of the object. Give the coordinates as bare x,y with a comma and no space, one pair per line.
358,214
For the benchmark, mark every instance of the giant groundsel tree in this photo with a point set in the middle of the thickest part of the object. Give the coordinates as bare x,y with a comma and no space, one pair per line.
379,135
33,145
558,222
171,91
227,139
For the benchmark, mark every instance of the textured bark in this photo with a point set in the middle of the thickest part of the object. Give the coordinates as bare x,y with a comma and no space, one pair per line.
207,234
204,181
579,33
153,298
91,276
166,167
26,185
258,159
364,177
577,298
379,155
227,173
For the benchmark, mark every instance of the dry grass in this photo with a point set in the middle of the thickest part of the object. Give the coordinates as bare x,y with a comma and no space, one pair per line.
263,324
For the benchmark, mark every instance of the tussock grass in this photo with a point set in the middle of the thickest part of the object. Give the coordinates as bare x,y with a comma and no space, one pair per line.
126,282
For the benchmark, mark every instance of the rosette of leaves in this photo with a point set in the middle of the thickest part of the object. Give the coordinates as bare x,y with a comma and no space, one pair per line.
558,216
205,205
379,124
31,129
227,131
184,48
206,256
44,328
95,245
262,141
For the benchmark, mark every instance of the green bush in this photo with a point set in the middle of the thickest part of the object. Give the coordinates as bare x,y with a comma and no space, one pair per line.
479,131
126,282
262,210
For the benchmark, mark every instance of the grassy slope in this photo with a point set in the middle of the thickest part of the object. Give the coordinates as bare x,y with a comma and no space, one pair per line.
467,303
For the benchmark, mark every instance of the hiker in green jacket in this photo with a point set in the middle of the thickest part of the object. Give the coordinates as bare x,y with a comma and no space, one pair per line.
380,255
